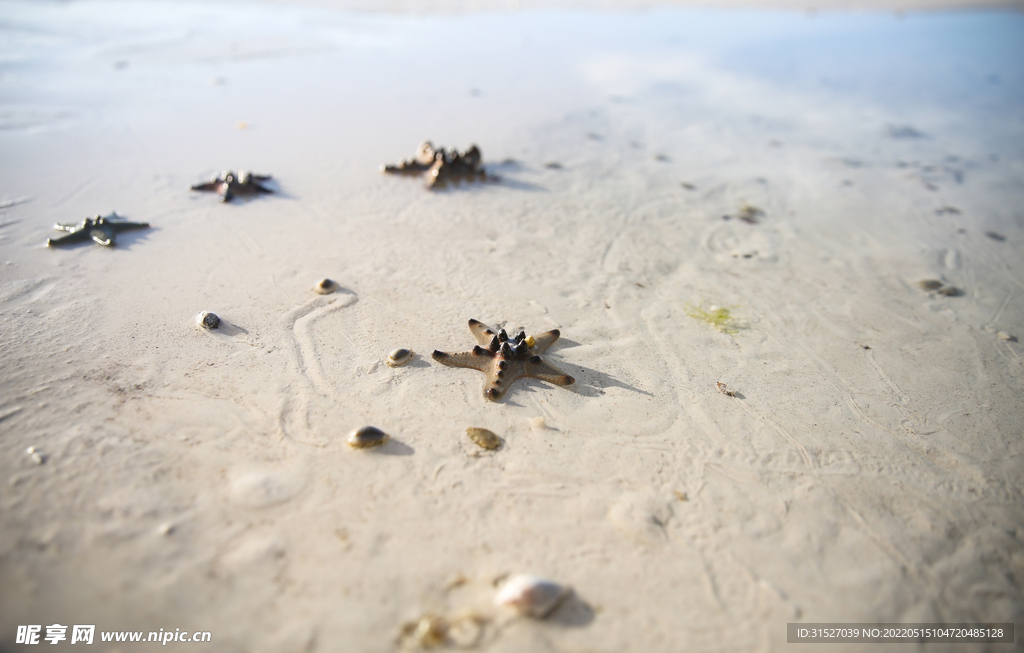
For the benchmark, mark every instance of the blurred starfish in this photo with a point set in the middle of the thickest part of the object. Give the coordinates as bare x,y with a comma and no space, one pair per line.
441,166
504,359
100,229
228,185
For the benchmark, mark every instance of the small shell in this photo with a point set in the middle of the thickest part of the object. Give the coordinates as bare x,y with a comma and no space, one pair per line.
1003,335
486,439
930,284
538,423
208,320
368,436
531,596
724,389
37,456
950,291
399,357
325,286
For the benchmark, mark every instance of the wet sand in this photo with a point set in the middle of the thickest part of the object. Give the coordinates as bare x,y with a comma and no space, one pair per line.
805,171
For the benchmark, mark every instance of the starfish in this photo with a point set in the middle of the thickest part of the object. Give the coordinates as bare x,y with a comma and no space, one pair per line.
504,359
228,185
441,166
100,229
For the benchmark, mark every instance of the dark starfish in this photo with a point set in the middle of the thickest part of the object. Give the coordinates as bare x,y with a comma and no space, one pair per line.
441,166
504,359
100,229
228,185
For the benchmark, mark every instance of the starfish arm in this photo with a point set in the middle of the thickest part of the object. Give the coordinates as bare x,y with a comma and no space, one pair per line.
208,186
125,225
544,340
67,226
103,235
500,381
262,189
260,177
227,193
545,371
73,237
476,361
481,332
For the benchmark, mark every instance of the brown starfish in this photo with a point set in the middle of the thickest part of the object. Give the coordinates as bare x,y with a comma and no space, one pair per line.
504,359
228,185
101,229
441,166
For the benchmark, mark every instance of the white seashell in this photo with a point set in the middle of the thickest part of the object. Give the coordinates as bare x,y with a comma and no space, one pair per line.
368,436
37,456
399,357
531,596
208,320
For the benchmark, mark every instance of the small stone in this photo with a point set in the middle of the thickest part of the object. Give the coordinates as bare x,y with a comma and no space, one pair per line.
325,286
366,437
950,291
930,284
537,423
399,357
37,456
1003,335
208,320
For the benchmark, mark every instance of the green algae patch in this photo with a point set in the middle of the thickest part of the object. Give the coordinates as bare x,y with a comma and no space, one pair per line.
720,317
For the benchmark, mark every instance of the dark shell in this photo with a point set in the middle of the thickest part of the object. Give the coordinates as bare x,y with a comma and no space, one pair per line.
208,320
368,436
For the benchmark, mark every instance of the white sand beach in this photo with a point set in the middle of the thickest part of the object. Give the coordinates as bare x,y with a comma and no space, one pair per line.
804,170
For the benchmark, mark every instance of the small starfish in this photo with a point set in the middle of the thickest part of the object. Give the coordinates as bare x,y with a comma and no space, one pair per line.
441,166
228,185
100,229
504,359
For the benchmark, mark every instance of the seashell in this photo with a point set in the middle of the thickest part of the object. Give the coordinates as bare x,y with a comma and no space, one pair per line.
325,286
930,284
37,456
208,320
368,436
399,357
531,596
486,439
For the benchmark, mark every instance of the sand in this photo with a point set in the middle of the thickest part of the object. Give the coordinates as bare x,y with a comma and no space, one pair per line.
868,468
